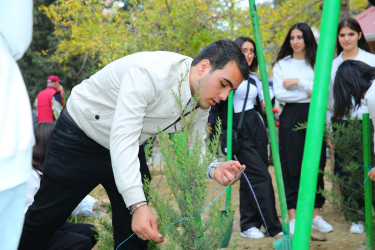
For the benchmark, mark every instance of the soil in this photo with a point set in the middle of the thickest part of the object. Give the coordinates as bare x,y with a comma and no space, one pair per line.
340,238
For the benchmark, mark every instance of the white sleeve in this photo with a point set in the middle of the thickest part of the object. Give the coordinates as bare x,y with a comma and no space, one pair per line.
136,91
305,85
282,94
32,186
371,110
85,208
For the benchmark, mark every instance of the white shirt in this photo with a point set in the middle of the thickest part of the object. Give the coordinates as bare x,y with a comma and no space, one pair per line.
85,208
289,67
254,91
362,56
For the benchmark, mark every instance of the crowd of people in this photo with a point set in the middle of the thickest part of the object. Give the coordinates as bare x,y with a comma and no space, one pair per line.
96,137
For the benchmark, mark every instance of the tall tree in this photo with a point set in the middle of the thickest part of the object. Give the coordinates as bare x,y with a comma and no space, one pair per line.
37,64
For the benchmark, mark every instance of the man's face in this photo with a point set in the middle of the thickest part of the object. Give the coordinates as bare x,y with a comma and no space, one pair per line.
215,86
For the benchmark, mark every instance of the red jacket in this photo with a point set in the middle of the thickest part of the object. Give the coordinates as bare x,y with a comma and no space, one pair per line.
45,99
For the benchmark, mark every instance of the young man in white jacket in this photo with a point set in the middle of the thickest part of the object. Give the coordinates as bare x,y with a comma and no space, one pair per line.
108,116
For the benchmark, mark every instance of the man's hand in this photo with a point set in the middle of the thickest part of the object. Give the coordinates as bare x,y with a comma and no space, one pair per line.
227,172
144,224
371,174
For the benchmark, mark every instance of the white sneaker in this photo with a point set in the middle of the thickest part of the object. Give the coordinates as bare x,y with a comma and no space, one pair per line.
279,234
318,223
252,233
357,228
292,224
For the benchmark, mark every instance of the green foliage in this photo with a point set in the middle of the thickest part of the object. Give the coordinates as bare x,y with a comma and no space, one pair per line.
347,139
276,20
104,229
185,160
84,27
36,65
103,226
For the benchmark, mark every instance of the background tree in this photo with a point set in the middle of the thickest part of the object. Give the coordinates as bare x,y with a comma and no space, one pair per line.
75,38
37,63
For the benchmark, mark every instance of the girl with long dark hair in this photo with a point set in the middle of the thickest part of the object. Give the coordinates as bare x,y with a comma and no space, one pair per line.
293,76
257,198
351,45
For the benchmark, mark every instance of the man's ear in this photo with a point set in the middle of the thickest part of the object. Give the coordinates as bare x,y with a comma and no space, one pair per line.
203,66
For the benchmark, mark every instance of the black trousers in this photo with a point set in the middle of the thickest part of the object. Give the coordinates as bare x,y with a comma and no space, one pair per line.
74,165
291,152
253,154
73,236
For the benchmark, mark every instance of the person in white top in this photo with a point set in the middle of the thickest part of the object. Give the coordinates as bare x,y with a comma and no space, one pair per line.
107,117
293,76
257,198
16,128
351,44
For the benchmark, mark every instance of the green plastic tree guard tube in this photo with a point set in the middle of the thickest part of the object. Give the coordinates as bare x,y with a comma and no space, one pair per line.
229,143
368,184
225,213
270,119
315,124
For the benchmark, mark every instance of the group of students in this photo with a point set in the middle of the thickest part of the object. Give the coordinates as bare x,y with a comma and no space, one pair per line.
97,138
351,92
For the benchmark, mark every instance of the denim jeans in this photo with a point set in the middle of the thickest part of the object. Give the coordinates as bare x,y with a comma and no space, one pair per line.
74,165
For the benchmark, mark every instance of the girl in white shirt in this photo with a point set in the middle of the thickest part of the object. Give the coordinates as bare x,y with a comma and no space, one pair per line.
293,76
351,45
257,198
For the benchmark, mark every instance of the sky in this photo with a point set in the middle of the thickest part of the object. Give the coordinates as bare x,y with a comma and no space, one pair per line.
245,3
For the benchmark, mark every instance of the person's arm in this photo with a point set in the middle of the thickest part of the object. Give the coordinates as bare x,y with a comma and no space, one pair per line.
137,90
281,85
32,186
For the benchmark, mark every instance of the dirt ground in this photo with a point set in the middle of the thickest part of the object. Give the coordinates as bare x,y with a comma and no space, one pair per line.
338,239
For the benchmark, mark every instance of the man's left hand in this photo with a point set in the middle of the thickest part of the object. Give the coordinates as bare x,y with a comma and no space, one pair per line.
227,171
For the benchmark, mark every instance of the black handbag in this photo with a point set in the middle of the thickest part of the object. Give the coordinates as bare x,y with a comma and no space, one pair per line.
236,141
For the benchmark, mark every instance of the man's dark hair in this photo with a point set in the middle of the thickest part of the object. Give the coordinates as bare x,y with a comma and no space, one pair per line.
310,44
220,52
352,79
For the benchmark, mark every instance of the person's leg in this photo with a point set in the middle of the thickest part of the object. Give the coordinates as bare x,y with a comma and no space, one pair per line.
319,198
71,170
254,156
73,236
121,218
291,150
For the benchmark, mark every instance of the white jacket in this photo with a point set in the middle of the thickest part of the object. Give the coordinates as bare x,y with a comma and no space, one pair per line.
16,129
127,102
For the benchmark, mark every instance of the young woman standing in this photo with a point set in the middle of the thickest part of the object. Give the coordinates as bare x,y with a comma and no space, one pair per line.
293,76
257,199
351,44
